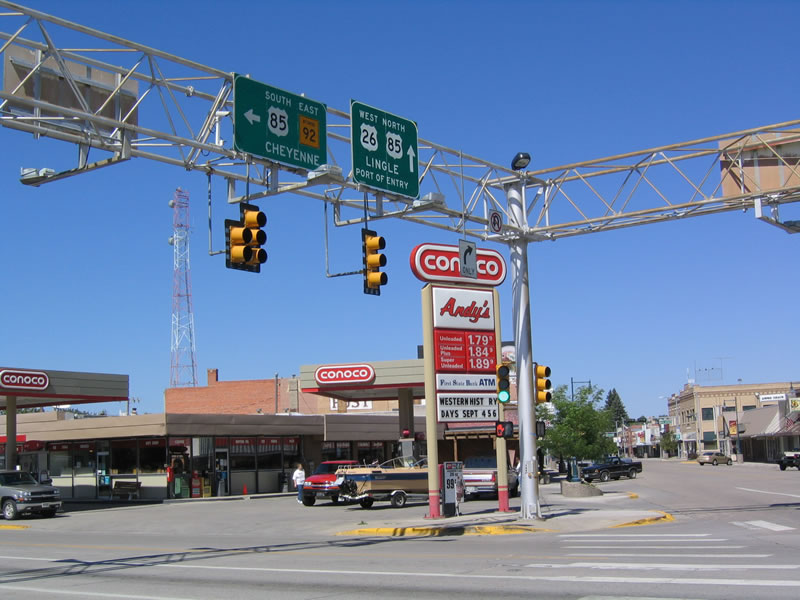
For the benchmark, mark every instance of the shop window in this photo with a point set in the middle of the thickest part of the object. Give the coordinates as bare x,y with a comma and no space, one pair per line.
60,460
336,451
243,454
123,457
153,455
84,458
269,453
203,455
291,452
708,414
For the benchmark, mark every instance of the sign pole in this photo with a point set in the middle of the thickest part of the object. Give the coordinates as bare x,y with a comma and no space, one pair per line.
500,443
431,418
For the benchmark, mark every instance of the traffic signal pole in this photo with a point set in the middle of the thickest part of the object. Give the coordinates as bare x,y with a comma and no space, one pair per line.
529,476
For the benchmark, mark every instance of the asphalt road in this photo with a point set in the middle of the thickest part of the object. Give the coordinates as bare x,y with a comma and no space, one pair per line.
733,535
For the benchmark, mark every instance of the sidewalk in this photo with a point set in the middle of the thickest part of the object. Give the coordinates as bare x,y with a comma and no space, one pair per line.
560,514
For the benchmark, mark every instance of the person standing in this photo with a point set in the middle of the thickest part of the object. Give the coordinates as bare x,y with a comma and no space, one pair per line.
299,478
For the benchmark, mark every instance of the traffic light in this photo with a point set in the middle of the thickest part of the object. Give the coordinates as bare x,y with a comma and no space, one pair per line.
542,383
503,382
373,261
540,429
504,429
244,238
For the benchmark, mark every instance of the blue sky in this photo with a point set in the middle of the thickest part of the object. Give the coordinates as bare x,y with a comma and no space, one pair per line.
87,269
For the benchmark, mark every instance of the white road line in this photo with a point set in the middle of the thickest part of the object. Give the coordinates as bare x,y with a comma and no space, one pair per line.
666,555
689,543
627,566
612,580
49,591
768,492
665,547
633,535
762,525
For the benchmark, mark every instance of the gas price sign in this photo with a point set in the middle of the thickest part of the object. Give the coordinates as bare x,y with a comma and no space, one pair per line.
464,351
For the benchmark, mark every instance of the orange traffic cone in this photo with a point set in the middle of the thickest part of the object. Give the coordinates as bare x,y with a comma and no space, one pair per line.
245,490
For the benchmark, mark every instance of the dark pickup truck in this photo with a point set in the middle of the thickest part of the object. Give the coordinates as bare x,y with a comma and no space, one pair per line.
790,458
613,467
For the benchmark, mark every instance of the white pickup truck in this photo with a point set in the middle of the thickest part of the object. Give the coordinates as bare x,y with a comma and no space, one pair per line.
480,477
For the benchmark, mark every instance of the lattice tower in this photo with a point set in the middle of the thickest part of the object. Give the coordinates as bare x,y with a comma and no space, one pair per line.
183,372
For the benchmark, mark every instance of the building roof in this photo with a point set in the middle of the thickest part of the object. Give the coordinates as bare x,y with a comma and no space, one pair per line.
759,422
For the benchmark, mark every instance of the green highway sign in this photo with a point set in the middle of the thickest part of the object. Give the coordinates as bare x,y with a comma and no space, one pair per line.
278,125
384,148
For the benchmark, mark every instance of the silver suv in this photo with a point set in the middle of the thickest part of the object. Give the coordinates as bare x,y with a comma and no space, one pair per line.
21,494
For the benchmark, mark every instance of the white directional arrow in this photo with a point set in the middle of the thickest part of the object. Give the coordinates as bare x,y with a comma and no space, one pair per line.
251,117
411,156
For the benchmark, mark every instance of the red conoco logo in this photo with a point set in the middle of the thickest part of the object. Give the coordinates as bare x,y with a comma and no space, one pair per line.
440,262
333,374
24,380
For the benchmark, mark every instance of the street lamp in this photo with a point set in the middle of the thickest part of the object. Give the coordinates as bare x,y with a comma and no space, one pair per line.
520,161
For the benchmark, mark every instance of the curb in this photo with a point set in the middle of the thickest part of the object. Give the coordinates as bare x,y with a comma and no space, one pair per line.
664,518
455,530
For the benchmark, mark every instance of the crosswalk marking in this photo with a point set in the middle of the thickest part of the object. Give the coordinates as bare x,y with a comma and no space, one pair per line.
659,566
762,525
596,547
667,555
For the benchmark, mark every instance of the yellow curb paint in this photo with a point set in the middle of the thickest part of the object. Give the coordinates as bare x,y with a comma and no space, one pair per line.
14,526
442,531
648,521
633,496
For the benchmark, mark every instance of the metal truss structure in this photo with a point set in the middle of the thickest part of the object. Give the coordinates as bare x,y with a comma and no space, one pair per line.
133,101
183,362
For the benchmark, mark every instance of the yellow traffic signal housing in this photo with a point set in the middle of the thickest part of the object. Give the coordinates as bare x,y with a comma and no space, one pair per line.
244,238
543,386
503,371
374,278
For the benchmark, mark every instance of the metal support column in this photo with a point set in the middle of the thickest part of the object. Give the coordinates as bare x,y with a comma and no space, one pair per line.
529,480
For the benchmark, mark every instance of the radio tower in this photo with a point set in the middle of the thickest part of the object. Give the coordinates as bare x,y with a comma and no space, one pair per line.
183,372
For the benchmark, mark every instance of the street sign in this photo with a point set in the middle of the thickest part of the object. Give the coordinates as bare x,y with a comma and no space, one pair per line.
278,125
384,150
468,258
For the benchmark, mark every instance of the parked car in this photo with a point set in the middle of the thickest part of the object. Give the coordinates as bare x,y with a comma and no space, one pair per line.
480,477
714,458
790,458
324,482
612,467
21,494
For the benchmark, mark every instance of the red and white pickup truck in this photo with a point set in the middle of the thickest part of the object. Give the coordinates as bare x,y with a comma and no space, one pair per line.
324,482
480,477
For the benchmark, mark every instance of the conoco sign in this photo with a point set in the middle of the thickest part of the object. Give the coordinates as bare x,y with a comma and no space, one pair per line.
24,380
441,262
339,374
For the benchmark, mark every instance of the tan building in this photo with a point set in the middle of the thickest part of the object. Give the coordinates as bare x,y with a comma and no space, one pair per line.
716,417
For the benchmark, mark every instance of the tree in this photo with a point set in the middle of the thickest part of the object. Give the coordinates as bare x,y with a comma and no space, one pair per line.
669,443
579,428
615,406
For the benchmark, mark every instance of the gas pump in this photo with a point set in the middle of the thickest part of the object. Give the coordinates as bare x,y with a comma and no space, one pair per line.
179,469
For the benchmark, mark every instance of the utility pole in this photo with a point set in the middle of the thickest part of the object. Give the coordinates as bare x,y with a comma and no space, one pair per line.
529,477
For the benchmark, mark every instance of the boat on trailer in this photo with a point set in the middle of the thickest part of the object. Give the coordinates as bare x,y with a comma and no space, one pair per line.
394,480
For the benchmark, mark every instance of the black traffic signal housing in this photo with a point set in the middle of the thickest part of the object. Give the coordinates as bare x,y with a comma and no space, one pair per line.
244,238
374,278
503,371
542,383
504,429
540,429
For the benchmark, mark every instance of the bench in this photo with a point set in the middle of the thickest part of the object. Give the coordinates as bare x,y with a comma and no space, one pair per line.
126,488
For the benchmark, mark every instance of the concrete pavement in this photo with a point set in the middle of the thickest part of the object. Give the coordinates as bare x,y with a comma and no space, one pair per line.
560,514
